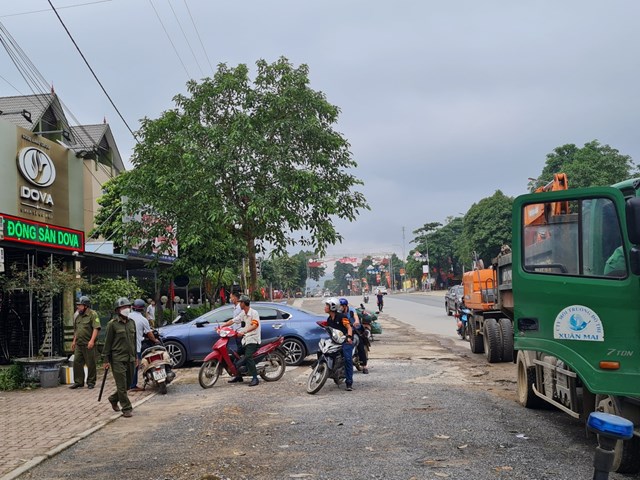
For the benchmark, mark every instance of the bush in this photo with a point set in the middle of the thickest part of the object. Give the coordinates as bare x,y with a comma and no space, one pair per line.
11,378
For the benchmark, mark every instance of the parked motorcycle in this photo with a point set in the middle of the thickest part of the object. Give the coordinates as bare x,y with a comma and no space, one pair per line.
270,362
360,332
330,363
463,314
156,365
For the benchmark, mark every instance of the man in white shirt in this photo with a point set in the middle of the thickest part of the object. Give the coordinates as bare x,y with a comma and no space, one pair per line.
151,312
142,329
250,332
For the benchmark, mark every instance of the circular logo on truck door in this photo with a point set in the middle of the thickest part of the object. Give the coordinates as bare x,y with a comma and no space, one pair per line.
578,322
36,167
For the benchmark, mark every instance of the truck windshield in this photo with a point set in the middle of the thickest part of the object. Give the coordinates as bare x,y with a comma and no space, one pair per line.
585,239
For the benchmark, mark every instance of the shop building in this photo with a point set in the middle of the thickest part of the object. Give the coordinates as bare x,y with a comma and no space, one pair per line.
52,176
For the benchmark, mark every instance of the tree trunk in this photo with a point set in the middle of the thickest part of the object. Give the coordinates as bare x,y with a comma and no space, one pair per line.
253,275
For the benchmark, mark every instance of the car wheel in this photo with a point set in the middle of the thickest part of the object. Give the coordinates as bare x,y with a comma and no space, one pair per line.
177,353
294,351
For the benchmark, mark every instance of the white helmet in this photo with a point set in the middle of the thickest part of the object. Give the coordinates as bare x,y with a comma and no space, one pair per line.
333,303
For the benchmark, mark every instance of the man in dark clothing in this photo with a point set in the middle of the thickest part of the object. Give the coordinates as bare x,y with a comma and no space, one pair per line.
86,326
119,353
338,321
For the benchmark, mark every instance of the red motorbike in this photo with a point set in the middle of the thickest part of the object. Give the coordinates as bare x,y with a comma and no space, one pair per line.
270,362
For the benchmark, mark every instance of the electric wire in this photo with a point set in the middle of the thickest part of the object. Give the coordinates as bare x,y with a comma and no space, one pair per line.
185,37
92,72
34,79
199,38
170,41
46,10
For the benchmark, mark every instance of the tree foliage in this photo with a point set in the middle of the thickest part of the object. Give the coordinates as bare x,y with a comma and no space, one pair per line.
258,159
589,166
106,291
442,244
487,226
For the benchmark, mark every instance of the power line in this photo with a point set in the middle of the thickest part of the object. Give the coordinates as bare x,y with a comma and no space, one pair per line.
185,37
199,38
170,41
46,10
92,72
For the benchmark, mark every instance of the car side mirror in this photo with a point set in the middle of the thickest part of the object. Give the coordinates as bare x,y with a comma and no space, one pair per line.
632,209
202,323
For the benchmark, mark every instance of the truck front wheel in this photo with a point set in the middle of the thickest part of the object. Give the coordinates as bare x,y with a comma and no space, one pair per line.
627,453
526,379
475,340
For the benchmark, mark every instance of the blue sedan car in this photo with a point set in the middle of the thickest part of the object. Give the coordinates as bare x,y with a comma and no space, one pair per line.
192,341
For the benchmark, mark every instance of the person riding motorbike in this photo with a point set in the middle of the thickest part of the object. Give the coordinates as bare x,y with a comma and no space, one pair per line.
250,332
358,328
338,321
380,297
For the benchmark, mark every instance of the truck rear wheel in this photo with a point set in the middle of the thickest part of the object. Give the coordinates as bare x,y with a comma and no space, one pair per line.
492,340
526,379
627,453
475,340
506,330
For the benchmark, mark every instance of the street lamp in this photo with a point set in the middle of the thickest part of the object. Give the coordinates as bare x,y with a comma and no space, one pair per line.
418,257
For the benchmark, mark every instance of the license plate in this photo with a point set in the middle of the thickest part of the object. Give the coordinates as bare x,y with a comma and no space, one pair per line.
159,374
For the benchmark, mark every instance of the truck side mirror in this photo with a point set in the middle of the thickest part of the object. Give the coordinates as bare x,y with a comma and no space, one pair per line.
633,220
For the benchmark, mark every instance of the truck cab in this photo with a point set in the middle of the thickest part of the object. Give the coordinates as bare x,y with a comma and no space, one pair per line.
576,286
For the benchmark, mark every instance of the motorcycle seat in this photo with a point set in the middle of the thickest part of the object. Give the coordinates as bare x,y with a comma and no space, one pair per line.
155,348
269,340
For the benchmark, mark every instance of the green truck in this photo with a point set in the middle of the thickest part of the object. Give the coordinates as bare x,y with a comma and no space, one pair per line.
574,285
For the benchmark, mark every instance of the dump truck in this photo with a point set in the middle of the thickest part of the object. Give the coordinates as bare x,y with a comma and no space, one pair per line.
488,291
571,289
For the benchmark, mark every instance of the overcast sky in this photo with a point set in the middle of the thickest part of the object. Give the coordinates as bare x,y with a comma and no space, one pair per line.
443,102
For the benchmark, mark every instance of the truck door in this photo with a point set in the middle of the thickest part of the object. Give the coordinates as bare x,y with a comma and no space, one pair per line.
574,295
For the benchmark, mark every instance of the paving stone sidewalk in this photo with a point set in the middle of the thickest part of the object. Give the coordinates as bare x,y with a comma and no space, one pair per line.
36,424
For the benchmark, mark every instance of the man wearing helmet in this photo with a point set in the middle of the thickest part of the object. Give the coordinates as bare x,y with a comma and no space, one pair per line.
119,353
338,321
143,329
86,326
354,320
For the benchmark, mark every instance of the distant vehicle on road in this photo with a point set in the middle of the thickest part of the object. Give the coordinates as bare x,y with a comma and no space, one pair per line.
453,299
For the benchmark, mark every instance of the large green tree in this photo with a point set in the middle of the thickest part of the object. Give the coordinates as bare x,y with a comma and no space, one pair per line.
487,226
442,244
589,166
258,157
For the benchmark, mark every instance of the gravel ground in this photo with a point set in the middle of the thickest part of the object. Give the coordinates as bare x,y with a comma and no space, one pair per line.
424,412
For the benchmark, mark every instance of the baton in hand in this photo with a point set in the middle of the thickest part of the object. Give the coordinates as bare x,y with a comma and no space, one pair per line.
104,379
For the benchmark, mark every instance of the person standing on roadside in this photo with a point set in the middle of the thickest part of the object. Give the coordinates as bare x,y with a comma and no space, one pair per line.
150,314
143,329
86,326
119,353
338,321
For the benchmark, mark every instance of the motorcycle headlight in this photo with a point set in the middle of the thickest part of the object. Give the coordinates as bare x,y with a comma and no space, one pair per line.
337,336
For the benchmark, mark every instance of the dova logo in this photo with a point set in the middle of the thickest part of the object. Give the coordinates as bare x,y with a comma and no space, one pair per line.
36,167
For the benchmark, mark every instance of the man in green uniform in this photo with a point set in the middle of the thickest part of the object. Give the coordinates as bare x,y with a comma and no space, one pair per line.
86,326
119,353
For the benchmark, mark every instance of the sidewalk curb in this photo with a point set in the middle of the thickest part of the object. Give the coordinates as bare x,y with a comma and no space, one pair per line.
35,461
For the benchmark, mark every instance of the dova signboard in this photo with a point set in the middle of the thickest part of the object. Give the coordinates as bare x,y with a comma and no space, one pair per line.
30,232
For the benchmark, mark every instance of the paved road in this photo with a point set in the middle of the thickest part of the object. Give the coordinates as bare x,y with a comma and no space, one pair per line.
423,311
424,412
